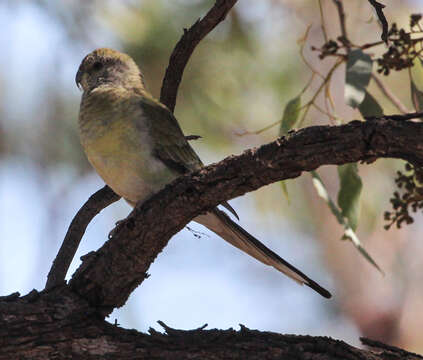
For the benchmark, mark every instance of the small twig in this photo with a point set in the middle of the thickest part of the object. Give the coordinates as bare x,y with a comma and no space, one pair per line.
331,117
197,234
306,106
397,117
322,19
370,45
179,332
303,43
390,96
379,11
193,137
97,202
341,13
322,85
185,47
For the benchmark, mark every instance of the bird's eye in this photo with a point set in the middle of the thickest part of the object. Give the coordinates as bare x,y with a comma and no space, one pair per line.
97,66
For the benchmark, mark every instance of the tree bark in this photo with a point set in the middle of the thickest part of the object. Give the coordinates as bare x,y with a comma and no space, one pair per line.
57,324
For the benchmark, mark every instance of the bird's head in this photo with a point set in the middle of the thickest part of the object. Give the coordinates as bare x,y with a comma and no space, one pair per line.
108,66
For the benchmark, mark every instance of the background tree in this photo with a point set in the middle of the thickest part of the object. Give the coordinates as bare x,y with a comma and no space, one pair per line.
235,90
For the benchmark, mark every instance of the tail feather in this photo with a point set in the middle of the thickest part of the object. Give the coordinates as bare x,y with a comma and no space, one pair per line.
221,224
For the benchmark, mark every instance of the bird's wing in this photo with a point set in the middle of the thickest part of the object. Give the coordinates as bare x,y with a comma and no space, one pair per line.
169,142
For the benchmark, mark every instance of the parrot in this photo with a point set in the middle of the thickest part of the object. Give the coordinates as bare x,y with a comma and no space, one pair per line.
136,145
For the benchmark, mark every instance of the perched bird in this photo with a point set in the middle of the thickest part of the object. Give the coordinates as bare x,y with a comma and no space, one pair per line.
136,145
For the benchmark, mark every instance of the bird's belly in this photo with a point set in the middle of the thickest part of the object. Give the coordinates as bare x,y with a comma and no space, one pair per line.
125,162
133,180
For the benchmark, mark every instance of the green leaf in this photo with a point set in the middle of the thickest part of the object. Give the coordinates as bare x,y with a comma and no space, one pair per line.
289,119
285,190
416,84
322,192
370,107
416,97
349,233
290,115
358,73
349,193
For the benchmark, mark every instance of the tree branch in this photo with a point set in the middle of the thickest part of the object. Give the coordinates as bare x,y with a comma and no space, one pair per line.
97,202
340,8
126,257
379,11
177,62
58,325
185,47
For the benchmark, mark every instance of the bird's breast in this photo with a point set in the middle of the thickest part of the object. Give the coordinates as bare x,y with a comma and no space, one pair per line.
121,152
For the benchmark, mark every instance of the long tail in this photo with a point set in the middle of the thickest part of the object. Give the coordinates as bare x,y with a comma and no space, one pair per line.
221,224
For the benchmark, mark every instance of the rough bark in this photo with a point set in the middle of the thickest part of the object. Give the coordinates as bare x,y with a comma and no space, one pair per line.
57,324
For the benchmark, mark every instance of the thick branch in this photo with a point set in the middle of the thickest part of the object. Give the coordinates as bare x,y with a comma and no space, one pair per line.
59,325
108,276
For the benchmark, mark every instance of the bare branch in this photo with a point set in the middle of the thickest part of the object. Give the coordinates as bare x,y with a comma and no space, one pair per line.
379,11
97,202
341,13
185,47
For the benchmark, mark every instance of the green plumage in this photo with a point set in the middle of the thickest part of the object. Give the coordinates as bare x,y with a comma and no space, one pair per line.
170,144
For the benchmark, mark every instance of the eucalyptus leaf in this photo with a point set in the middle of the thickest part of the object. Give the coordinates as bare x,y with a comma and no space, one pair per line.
416,84
416,96
289,119
370,107
349,193
349,233
358,73
417,73
290,115
285,190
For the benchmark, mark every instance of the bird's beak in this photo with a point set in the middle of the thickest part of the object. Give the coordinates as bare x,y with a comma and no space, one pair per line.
78,78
